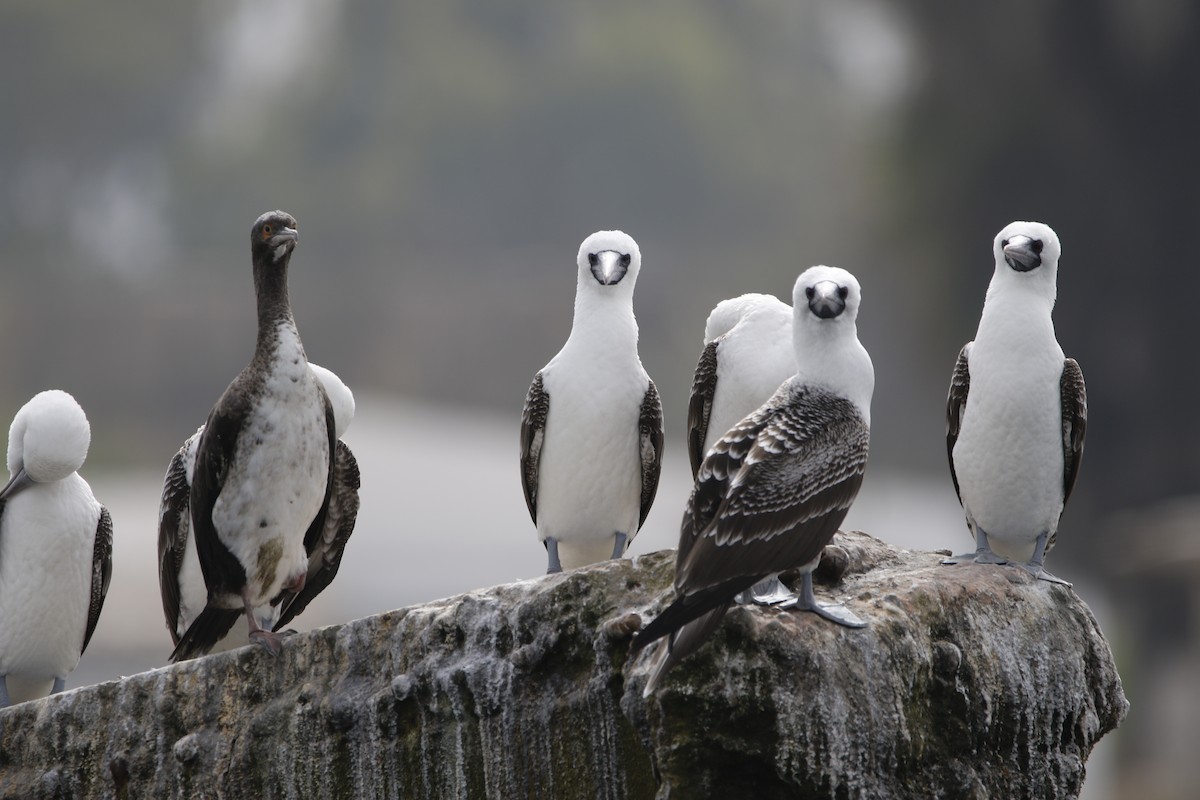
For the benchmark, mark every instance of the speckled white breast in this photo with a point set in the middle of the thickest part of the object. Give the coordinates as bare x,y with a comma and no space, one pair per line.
277,482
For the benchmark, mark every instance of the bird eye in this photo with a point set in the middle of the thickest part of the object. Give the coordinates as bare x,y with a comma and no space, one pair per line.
1037,245
810,292
842,292
625,259
1003,243
593,259
267,230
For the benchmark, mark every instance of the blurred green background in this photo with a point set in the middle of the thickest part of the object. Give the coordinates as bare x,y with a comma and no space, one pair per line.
445,160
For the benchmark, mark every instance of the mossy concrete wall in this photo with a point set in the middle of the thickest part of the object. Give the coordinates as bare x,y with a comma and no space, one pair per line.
970,682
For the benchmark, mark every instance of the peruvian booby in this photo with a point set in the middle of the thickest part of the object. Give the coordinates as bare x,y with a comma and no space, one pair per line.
55,549
1017,409
592,426
748,354
772,491
181,582
265,464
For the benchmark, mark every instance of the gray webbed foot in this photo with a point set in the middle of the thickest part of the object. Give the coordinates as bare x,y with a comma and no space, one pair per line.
834,612
60,684
1039,572
5,701
983,553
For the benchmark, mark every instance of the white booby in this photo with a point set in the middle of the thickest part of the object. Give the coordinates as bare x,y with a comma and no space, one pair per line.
55,549
265,463
1017,409
592,430
181,582
772,491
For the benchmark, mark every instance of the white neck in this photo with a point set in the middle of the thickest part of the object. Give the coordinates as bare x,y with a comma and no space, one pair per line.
828,354
604,322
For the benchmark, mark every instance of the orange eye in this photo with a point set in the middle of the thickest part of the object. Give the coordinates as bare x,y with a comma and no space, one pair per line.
267,230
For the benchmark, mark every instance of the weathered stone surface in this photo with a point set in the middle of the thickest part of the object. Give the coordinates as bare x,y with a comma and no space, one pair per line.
970,682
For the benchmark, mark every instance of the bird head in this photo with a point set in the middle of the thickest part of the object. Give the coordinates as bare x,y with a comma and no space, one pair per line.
823,294
1026,247
48,440
273,237
609,259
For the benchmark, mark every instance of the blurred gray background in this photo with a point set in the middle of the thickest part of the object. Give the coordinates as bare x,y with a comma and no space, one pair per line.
445,160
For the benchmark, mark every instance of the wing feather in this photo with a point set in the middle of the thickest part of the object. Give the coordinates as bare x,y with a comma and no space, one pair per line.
533,431
704,388
956,406
101,573
1074,420
650,439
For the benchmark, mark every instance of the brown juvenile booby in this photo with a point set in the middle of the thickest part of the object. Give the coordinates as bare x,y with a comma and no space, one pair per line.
772,491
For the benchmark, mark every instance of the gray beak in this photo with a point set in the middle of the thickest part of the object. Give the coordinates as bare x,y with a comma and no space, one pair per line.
609,266
19,481
284,241
826,299
1021,255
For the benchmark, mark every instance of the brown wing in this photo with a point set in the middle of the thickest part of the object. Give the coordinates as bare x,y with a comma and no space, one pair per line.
174,525
101,573
650,447
325,555
704,387
1074,420
956,405
533,430
769,496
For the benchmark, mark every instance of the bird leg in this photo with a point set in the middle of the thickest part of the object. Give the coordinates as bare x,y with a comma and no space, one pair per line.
983,552
1036,567
259,635
769,591
552,550
619,545
59,685
5,701
834,612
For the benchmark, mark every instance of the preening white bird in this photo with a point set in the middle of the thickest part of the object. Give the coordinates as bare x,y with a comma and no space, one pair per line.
592,426
748,354
55,549
1017,409
181,581
265,464
773,490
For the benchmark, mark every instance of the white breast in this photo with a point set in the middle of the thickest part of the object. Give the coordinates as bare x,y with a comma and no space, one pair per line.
47,534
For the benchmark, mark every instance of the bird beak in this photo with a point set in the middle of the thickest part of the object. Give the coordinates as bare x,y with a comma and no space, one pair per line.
827,300
284,241
608,266
285,236
19,481
1019,254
